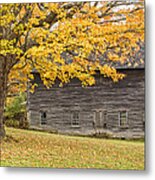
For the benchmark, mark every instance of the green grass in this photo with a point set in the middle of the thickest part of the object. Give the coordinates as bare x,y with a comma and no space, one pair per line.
25,148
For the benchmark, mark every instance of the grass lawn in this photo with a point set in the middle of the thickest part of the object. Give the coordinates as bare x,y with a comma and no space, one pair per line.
25,148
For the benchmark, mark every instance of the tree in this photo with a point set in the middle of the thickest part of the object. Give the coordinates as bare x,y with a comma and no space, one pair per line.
60,39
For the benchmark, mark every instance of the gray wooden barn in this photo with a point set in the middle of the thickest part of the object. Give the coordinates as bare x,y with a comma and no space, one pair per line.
105,109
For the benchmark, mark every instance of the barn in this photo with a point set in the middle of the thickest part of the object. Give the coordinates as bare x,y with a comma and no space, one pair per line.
106,109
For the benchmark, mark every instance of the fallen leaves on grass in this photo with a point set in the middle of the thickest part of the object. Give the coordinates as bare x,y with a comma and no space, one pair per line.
37,149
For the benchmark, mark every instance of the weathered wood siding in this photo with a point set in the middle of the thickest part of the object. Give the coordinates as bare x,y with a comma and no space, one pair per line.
99,106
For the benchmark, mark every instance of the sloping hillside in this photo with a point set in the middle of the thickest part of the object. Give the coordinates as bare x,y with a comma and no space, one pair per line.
24,148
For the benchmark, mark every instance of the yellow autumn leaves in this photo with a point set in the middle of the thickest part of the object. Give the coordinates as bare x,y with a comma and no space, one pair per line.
45,32
111,72
7,47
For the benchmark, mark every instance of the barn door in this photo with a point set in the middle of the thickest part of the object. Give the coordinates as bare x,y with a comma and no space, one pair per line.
100,119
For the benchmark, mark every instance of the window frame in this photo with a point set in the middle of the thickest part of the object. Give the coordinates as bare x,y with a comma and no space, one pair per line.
43,122
77,125
122,125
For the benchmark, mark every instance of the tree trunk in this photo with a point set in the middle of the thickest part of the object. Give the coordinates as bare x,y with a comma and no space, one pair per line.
2,129
3,92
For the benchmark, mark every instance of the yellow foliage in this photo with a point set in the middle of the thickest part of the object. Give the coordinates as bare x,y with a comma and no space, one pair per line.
57,39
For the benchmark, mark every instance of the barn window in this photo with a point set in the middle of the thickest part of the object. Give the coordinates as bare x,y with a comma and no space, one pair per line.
43,116
105,118
75,119
123,116
143,121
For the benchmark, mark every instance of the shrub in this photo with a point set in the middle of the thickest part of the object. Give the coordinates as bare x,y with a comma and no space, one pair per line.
12,123
15,112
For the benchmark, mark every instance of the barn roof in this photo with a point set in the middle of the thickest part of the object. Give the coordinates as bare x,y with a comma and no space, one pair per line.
134,61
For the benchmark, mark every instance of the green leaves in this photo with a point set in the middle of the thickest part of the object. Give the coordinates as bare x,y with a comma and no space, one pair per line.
15,106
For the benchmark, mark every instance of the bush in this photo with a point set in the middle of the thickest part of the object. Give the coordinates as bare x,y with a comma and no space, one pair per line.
16,106
15,112
12,123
